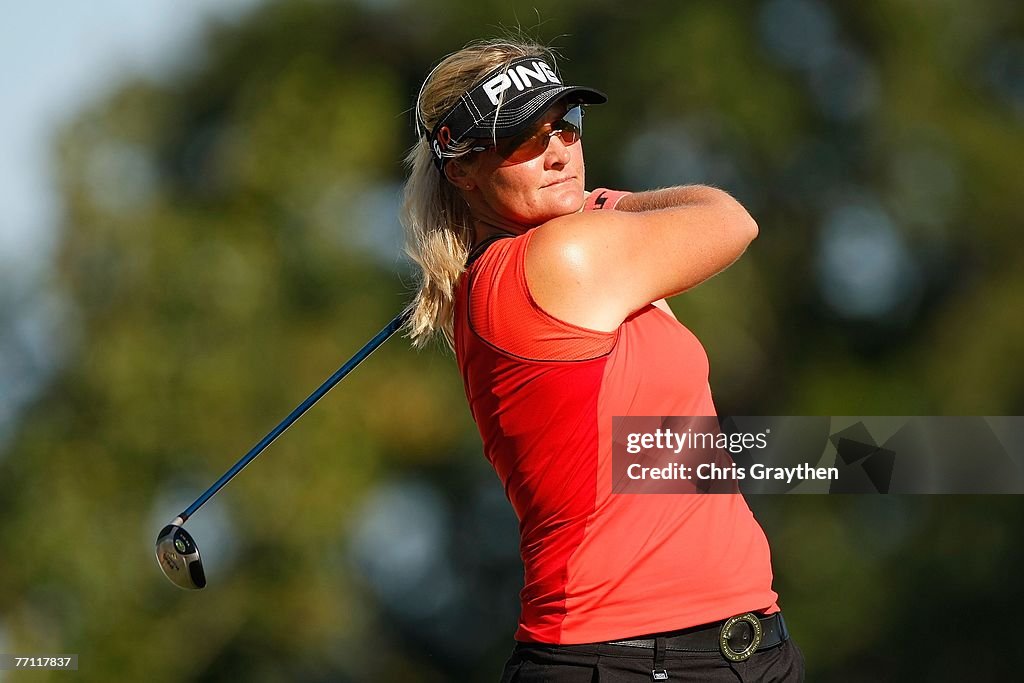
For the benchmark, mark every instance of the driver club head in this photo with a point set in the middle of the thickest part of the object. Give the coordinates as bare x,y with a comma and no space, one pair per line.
178,557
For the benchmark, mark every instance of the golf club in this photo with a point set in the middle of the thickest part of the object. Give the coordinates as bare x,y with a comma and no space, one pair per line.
176,550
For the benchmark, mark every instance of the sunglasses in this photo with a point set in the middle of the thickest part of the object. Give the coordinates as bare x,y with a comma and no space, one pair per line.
521,148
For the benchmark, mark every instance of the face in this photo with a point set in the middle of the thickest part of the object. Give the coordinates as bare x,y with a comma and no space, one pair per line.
519,196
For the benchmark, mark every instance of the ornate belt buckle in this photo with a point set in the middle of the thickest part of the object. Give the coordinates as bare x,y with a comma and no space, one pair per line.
726,634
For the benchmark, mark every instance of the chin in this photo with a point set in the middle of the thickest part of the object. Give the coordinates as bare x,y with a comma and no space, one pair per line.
565,199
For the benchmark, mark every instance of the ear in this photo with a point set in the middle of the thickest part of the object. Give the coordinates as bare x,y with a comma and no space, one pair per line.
460,175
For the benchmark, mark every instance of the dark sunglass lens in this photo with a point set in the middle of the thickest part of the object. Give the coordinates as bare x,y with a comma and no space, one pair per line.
574,118
524,148
570,127
531,145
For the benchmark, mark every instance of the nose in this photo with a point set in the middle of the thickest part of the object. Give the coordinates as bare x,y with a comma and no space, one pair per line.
557,153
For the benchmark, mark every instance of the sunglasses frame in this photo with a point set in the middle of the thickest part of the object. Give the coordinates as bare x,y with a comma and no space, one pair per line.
540,139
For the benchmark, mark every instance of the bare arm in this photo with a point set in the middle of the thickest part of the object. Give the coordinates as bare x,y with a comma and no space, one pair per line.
652,200
595,268
666,198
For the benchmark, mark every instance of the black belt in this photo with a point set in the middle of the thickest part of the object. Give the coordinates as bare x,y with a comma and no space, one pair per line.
737,638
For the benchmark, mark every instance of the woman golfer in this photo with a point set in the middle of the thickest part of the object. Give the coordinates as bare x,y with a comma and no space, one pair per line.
553,299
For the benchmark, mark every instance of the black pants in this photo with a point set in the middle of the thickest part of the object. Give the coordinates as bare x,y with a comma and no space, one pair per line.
600,663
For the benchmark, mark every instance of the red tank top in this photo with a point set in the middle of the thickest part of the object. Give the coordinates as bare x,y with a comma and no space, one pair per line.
598,566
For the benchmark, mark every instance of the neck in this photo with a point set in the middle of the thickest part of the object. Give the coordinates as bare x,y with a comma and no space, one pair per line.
487,222
484,228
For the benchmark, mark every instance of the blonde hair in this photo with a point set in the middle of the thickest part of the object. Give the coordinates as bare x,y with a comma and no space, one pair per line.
438,225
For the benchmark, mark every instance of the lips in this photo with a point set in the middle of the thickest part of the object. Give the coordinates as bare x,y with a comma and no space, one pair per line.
559,181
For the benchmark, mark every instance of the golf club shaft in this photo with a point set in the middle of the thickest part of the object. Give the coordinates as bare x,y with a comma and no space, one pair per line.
349,365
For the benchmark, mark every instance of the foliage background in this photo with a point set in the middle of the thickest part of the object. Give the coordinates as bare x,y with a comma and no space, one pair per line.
229,235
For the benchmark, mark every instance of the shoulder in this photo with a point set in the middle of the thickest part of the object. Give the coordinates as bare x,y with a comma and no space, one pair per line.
576,267
581,244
